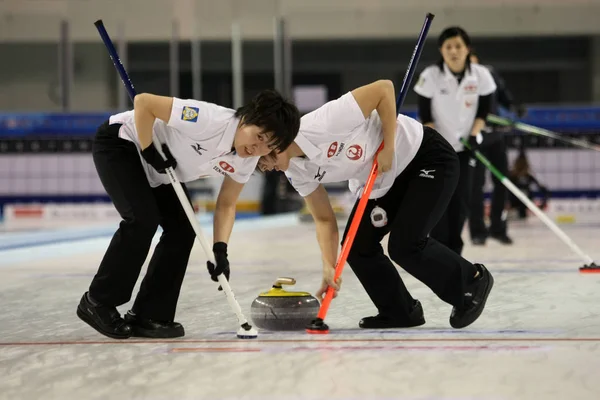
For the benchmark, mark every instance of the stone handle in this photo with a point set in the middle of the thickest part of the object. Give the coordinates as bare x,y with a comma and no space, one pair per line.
284,281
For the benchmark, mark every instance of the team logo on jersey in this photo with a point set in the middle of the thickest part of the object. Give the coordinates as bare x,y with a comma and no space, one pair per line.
332,149
427,173
226,167
335,149
189,114
468,104
354,152
198,148
471,88
319,176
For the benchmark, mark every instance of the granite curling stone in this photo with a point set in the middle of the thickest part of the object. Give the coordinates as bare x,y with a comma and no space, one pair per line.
281,310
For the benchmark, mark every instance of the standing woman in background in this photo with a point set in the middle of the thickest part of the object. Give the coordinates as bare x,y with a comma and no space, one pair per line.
494,149
455,98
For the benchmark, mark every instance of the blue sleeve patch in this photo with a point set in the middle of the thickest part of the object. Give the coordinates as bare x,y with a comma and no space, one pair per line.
189,114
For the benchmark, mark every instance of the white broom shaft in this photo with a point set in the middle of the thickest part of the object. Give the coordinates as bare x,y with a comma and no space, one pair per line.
189,211
545,219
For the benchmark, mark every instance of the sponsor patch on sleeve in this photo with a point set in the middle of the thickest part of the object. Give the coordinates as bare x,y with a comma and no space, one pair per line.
189,114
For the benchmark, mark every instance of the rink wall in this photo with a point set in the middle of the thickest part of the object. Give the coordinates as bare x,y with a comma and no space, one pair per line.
45,159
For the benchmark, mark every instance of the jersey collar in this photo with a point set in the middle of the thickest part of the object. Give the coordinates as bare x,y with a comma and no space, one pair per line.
306,146
449,75
226,142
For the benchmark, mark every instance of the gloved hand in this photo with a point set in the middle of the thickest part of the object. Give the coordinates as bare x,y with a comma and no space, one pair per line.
222,267
473,143
153,157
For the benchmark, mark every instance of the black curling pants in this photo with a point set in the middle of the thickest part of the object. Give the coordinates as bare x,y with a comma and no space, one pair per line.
495,151
143,209
414,205
450,226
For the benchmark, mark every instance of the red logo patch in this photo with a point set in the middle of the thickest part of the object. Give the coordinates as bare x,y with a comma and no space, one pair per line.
354,152
332,149
226,167
471,88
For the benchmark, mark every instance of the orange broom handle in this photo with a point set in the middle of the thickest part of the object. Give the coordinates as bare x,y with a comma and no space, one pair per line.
358,214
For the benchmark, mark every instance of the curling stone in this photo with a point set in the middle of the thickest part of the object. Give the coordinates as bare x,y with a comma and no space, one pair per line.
281,310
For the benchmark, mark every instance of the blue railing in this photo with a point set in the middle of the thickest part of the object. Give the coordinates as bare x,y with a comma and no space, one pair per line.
42,124
561,119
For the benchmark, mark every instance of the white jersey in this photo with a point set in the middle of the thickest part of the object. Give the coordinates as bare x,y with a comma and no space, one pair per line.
454,105
340,145
200,136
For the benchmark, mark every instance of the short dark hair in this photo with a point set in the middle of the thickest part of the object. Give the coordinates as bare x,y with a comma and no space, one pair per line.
272,154
271,112
450,32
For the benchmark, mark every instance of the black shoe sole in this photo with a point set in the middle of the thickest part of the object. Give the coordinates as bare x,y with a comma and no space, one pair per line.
392,325
90,321
502,240
463,323
383,324
138,331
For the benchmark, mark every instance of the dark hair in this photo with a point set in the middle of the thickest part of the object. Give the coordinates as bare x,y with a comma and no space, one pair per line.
521,166
272,113
270,155
451,32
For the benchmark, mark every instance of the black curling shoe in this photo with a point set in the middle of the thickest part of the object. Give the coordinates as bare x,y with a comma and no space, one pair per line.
475,299
502,238
149,328
104,319
416,318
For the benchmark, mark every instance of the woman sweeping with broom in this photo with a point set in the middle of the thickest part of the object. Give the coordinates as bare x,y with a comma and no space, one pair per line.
418,171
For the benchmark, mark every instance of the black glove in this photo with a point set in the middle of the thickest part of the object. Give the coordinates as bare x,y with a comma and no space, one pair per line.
222,267
473,143
153,157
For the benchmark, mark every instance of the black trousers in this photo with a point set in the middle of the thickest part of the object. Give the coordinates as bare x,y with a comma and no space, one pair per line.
495,151
414,205
143,209
448,230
